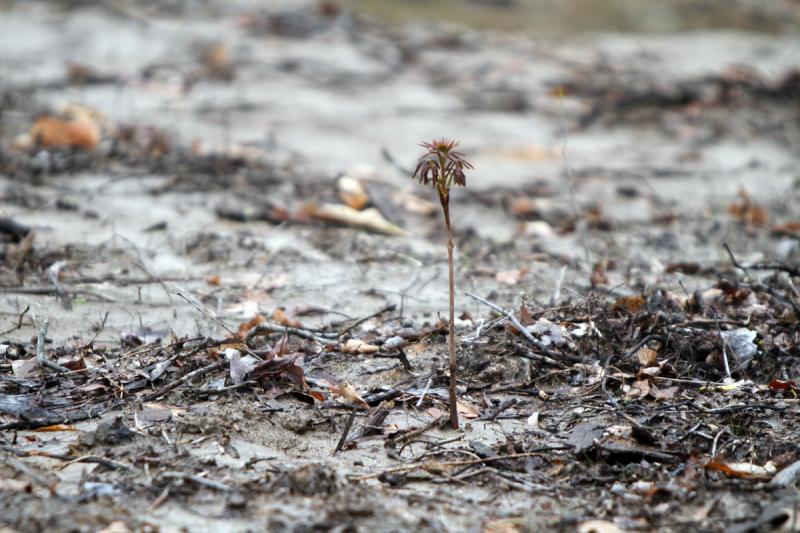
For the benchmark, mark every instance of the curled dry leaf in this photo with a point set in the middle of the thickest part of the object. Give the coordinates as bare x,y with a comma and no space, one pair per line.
632,304
277,366
743,470
346,391
598,526
647,356
746,210
369,219
280,316
352,193
466,409
358,346
244,327
52,132
510,277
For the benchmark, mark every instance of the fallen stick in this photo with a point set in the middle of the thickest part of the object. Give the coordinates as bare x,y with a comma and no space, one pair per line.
433,465
491,415
180,381
517,324
266,327
345,431
402,439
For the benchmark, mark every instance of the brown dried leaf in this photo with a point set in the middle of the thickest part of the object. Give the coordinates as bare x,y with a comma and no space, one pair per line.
244,327
647,356
352,193
598,276
369,219
510,277
358,346
55,427
747,210
346,391
52,132
632,304
466,409
664,394
286,366
742,470
280,316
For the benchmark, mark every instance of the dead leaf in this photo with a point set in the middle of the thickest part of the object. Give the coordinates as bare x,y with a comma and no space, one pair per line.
346,391
466,409
777,384
239,366
52,132
647,356
525,317
115,527
582,436
742,470
215,61
632,304
638,389
23,368
55,427
790,228
510,277
244,327
504,525
15,485
358,346
747,210
664,394
73,363
598,276
277,366
435,412
530,152
598,526
369,219
684,267
280,316
352,193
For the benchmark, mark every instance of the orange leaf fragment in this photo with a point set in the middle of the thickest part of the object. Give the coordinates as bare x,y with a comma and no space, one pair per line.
244,327
51,132
631,304
55,427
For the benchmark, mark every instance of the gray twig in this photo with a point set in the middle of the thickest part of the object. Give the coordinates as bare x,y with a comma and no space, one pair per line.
40,357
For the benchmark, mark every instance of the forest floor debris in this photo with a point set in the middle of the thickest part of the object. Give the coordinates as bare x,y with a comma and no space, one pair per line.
244,299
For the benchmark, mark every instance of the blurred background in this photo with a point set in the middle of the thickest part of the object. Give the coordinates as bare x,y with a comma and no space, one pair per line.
555,17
